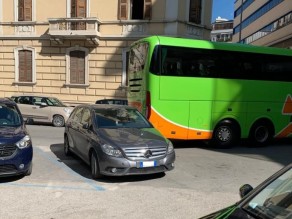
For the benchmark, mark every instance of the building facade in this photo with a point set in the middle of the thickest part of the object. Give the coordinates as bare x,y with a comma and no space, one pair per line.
263,22
76,50
222,30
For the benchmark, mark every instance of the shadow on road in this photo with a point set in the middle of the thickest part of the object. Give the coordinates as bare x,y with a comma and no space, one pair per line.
80,167
279,151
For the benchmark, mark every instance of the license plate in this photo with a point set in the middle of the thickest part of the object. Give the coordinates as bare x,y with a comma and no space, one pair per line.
147,164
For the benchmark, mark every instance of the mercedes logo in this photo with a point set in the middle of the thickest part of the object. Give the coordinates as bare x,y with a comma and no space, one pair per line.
148,154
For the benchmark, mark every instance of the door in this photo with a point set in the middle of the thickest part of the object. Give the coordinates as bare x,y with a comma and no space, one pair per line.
78,9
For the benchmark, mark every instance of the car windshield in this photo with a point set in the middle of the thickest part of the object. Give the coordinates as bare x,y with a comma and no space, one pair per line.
9,116
274,201
120,118
54,102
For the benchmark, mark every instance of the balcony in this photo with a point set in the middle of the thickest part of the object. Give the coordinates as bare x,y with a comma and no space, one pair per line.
74,28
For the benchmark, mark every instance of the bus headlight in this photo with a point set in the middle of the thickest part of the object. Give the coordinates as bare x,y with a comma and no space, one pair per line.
25,142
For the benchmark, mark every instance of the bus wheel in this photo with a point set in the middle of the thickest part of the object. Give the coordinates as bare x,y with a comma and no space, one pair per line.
225,135
261,133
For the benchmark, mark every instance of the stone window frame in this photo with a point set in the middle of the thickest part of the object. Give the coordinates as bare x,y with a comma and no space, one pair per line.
77,48
16,57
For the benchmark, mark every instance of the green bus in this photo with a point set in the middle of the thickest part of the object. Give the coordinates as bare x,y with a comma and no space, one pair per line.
195,89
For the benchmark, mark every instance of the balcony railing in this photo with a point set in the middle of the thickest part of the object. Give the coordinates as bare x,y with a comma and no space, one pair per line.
78,28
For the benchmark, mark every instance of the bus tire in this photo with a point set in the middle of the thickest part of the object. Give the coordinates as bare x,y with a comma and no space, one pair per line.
225,135
261,133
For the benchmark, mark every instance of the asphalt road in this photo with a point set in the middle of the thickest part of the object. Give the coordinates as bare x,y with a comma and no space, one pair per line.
204,180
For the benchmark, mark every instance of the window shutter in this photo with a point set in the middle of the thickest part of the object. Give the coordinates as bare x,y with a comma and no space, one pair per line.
25,65
77,67
27,10
123,9
147,9
195,11
20,10
81,8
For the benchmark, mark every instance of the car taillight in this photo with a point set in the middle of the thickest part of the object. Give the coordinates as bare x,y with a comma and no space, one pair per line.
148,105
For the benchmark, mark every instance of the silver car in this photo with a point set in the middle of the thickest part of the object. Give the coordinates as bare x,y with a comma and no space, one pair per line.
43,109
117,140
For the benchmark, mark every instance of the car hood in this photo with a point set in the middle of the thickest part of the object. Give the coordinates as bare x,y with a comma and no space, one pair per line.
129,137
8,134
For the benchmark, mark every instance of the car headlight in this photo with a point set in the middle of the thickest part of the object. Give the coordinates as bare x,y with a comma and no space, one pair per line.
67,110
110,150
170,148
25,142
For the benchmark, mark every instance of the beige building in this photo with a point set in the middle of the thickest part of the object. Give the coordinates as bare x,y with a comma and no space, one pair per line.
76,50
263,22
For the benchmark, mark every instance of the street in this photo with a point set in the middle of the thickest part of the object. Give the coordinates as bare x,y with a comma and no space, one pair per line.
204,180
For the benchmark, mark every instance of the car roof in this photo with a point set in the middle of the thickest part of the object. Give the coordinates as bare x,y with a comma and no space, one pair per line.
6,100
106,106
31,95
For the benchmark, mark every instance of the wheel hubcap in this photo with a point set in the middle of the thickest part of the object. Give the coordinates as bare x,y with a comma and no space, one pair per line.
224,134
261,133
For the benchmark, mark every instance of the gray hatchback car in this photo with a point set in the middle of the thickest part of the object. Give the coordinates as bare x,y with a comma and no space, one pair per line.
117,140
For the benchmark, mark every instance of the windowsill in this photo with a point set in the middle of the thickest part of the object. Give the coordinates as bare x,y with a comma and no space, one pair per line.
24,83
24,22
77,85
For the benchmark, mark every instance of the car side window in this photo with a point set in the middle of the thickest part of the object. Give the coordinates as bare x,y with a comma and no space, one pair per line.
85,117
25,100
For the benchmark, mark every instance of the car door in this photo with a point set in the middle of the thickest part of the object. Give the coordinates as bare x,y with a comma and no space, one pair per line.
41,110
25,106
84,134
73,125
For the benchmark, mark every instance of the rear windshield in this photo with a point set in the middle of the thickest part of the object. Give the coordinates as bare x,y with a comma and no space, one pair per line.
9,116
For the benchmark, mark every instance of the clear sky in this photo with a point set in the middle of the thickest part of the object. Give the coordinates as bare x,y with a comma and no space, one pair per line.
223,9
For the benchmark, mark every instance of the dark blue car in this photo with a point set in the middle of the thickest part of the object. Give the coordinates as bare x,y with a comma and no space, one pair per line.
15,142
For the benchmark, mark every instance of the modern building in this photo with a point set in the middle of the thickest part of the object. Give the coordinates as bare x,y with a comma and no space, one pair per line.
76,49
263,22
222,30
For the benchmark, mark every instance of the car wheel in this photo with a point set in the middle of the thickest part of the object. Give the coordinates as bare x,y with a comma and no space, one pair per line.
67,147
225,135
261,133
29,171
58,121
95,171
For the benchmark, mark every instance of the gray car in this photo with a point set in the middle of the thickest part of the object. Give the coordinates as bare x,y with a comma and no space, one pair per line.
117,140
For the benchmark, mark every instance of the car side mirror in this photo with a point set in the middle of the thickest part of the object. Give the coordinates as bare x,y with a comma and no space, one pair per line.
29,121
244,190
85,126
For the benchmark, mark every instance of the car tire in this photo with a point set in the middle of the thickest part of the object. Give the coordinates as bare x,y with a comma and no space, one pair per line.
58,121
225,135
29,171
67,147
261,134
94,165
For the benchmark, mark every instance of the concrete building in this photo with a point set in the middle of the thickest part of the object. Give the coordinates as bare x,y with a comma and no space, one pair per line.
263,22
76,50
222,30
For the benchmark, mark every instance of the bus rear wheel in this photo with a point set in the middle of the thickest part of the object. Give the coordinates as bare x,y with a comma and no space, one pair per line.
225,135
261,133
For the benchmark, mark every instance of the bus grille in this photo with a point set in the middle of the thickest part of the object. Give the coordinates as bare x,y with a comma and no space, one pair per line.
7,150
139,153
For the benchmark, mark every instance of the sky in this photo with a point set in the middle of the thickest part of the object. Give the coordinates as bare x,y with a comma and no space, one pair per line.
223,9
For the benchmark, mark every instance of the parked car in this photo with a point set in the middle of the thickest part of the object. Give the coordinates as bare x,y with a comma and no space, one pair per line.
43,109
112,101
15,142
271,199
117,140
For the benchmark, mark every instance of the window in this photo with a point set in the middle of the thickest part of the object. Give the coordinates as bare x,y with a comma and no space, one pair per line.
195,11
77,66
24,65
78,9
24,10
135,9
